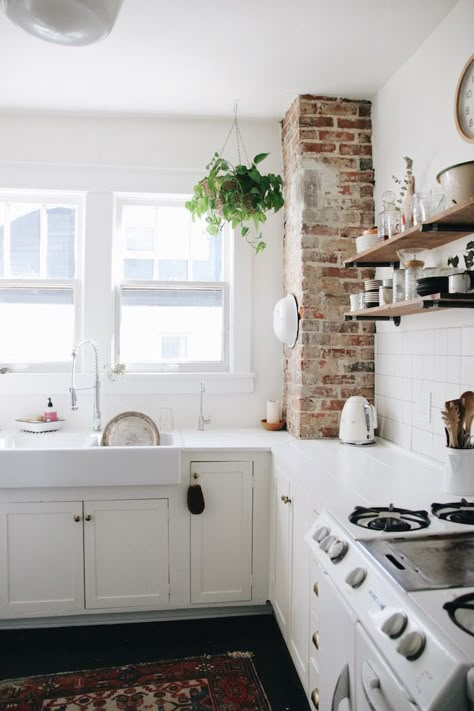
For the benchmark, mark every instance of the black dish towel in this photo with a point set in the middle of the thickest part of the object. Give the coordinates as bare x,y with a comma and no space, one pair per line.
195,499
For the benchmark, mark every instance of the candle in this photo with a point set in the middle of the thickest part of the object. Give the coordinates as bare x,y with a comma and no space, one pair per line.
273,411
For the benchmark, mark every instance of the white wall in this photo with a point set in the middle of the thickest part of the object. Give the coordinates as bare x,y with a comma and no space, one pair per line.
429,357
127,154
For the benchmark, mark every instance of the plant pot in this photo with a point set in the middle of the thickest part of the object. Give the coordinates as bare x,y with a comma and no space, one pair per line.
459,471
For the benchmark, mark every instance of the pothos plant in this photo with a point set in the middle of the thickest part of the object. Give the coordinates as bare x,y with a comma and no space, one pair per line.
238,194
468,256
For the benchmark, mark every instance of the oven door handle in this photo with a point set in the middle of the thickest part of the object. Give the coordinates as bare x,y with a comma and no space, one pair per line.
341,700
373,693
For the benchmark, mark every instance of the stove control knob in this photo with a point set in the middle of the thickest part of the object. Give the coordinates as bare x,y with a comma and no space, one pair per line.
411,646
321,533
356,577
395,625
326,543
337,551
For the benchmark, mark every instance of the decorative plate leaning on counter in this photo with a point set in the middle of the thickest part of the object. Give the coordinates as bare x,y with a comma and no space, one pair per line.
131,429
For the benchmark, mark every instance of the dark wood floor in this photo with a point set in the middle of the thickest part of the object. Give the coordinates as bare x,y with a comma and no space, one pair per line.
52,650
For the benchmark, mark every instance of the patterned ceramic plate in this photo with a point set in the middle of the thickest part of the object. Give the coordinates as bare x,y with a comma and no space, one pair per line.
130,429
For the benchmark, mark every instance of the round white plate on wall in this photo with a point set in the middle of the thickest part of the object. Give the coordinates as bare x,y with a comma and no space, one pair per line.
285,320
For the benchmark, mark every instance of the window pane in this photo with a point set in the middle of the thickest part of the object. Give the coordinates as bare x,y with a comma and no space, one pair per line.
138,269
206,254
61,236
24,240
138,227
37,325
2,231
151,318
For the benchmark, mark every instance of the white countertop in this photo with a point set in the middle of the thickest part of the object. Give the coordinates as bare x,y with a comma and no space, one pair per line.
334,473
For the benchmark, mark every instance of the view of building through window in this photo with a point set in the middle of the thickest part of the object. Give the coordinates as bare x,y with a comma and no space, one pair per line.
37,272
172,288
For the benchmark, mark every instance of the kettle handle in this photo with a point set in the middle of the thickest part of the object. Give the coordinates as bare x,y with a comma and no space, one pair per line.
372,415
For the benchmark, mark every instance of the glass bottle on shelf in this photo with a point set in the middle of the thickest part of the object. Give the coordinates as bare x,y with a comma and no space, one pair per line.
398,285
410,258
389,217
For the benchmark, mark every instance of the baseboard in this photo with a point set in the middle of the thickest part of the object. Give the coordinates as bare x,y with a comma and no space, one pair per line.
116,618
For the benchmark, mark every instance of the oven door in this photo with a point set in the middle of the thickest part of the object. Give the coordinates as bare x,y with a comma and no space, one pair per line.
336,649
377,687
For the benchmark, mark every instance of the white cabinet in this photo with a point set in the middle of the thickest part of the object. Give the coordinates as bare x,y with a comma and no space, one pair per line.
51,552
302,518
41,559
293,515
282,517
221,537
126,553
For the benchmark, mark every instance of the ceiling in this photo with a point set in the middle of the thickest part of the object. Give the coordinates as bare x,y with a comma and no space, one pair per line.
184,57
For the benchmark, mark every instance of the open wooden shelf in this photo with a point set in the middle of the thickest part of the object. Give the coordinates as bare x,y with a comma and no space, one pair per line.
445,227
434,302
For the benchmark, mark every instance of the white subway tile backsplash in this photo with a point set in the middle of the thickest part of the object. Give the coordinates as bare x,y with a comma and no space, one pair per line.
453,369
454,341
467,341
467,369
408,366
440,342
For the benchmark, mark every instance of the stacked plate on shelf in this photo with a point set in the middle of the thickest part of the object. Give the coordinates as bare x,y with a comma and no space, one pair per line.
366,241
432,285
371,287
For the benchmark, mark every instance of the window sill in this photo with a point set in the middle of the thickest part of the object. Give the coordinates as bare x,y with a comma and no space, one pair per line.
131,384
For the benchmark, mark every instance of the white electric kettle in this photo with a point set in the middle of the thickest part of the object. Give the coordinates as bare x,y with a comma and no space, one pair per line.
358,421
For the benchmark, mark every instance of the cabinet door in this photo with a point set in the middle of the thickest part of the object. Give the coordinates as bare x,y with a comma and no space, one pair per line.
126,553
41,559
221,537
303,517
282,551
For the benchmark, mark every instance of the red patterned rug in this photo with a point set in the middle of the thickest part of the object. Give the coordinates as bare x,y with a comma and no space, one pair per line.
209,683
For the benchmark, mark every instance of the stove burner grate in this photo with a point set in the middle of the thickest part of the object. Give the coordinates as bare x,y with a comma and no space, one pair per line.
461,612
389,518
456,512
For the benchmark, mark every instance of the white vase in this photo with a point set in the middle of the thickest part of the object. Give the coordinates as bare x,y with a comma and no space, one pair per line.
459,471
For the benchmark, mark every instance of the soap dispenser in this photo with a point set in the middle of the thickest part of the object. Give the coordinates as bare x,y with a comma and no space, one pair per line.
50,415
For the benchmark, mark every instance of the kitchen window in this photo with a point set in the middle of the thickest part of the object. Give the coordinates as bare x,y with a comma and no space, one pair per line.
39,279
172,282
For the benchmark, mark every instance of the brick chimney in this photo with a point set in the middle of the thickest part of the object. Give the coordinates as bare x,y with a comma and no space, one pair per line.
328,173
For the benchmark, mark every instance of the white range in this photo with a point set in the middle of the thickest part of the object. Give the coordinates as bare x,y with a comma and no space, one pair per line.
382,638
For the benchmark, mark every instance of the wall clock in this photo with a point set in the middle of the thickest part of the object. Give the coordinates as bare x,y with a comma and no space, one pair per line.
464,101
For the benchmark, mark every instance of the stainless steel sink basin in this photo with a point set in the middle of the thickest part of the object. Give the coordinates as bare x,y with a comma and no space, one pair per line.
66,459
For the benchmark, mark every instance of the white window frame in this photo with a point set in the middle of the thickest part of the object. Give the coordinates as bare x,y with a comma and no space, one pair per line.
160,200
44,197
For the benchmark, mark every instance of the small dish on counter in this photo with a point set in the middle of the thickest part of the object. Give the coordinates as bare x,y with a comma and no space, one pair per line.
131,429
39,426
273,426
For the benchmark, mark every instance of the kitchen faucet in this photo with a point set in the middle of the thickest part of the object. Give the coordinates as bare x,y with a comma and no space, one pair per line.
96,416
202,421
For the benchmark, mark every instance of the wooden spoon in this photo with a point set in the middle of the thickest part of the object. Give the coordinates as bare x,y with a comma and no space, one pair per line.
451,417
467,400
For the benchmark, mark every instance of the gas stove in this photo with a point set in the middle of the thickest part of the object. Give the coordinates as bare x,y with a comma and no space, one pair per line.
407,575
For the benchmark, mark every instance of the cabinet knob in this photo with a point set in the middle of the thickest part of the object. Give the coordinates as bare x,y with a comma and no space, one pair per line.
195,476
315,698
77,518
316,589
286,499
315,639
88,517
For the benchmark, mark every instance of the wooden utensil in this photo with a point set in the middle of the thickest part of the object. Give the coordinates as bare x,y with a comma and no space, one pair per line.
451,417
467,400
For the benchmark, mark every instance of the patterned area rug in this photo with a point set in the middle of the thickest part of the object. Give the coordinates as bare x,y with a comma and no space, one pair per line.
208,683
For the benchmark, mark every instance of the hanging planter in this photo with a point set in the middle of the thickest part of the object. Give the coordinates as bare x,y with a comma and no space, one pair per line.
240,195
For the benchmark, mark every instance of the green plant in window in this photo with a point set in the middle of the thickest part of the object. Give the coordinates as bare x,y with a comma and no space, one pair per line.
240,195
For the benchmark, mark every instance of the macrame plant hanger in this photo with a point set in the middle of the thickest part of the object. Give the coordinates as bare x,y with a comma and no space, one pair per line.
235,128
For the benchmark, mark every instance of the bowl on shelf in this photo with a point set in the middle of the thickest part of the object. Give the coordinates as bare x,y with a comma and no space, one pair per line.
273,426
457,181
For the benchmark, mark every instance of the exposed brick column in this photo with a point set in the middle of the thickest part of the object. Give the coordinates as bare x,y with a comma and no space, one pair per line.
327,155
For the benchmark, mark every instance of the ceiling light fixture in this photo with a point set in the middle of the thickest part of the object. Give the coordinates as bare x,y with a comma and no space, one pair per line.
67,22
